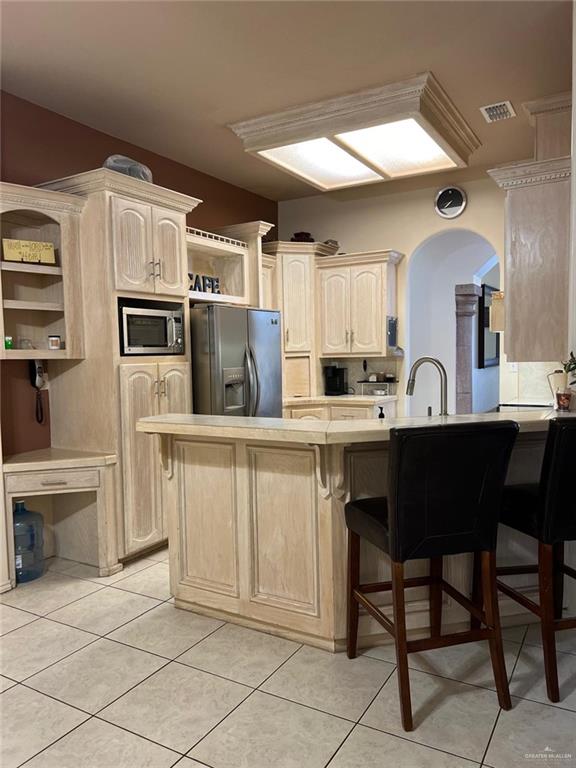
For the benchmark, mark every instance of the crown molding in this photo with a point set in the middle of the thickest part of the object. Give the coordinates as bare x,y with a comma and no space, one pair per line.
531,173
245,230
105,180
276,247
359,257
559,102
421,97
17,196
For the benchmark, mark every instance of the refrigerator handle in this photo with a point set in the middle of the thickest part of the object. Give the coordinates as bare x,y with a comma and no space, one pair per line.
256,383
251,382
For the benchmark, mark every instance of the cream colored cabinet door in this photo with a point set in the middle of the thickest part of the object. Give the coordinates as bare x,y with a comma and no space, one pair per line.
140,462
311,414
132,245
175,388
169,250
366,309
297,303
335,310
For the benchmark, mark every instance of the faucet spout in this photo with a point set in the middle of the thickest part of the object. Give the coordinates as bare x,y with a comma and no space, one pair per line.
443,381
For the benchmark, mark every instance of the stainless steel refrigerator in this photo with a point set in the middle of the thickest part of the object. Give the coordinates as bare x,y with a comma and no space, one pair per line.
236,361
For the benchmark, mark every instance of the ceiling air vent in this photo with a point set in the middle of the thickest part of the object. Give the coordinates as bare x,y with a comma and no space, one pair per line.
502,110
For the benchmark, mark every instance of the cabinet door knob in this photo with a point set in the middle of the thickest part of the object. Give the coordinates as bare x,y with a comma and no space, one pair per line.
156,386
153,270
347,335
159,274
287,335
351,337
163,389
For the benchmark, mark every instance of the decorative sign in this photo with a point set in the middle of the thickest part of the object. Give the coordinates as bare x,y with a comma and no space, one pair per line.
29,251
204,283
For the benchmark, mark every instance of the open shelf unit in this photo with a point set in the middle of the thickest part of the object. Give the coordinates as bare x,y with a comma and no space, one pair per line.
40,300
221,257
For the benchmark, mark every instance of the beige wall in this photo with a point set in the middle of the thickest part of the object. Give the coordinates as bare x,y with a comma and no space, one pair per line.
374,217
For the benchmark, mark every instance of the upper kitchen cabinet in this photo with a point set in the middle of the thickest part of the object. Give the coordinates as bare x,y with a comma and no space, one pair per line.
148,226
295,264
357,296
41,298
297,279
536,262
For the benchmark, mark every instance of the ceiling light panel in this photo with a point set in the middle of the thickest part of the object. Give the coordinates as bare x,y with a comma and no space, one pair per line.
322,163
400,148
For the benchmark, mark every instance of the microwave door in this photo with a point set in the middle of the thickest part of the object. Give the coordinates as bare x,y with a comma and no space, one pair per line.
145,330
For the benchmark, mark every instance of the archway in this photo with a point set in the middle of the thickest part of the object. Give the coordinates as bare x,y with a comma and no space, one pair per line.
444,260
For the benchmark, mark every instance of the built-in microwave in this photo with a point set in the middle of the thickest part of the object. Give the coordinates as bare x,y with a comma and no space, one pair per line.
150,327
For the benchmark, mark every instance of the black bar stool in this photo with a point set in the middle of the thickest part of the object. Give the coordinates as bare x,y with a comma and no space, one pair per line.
547,512
444,498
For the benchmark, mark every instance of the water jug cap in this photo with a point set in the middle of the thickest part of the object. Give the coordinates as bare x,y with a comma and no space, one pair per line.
20,506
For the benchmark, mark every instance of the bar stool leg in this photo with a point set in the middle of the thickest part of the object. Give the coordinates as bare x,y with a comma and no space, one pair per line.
401,645
489,589
435,596
353,582
546,582
476,589
558,579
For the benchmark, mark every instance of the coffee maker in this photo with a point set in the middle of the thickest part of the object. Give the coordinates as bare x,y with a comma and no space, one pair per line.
335,380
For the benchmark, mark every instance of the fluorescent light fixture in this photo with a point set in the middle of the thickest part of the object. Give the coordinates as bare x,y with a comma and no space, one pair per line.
401,148
396,130
322,163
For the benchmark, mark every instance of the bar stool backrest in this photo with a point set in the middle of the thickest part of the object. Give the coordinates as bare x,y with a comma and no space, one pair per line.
445,487
558,483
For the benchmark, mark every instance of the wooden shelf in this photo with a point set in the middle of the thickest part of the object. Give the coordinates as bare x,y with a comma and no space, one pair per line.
33,354
40,306
210,244
217,298
34,269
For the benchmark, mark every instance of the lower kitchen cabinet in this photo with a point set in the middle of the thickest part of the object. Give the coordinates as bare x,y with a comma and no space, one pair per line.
147,390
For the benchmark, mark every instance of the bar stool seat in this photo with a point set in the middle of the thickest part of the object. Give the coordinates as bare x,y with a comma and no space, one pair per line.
521,505
369,519
445,487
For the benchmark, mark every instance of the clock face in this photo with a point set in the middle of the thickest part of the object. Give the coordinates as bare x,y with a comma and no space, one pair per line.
450,202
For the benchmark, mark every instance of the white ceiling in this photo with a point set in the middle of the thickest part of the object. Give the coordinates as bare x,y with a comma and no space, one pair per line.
170,76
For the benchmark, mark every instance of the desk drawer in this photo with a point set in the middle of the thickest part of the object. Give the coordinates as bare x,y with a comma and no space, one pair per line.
57,480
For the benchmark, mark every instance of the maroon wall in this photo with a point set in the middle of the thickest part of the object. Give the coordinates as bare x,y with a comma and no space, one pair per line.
38,145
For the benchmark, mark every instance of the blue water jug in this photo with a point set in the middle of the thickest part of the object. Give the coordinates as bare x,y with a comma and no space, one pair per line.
28,543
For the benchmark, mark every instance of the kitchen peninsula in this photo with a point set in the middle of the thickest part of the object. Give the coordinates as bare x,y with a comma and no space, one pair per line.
256,517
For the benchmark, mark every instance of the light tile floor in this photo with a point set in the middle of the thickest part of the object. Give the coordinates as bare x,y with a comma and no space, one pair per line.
107,673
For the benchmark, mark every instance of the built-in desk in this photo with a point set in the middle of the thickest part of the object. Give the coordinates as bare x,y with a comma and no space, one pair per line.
74,490
256,519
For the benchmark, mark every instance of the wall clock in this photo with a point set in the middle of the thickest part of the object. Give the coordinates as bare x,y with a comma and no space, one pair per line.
450,202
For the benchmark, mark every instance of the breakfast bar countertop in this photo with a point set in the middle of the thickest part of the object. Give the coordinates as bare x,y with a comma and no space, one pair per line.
319,432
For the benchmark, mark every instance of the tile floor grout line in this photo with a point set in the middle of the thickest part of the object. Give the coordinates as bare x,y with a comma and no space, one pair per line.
418,743
259,686
52,664
60,701
187,754
395,667
214,674
491,735
307,706
344,740
213,631
109,704
139,735
54,742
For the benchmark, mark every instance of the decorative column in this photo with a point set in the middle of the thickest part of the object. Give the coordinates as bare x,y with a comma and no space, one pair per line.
466,307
